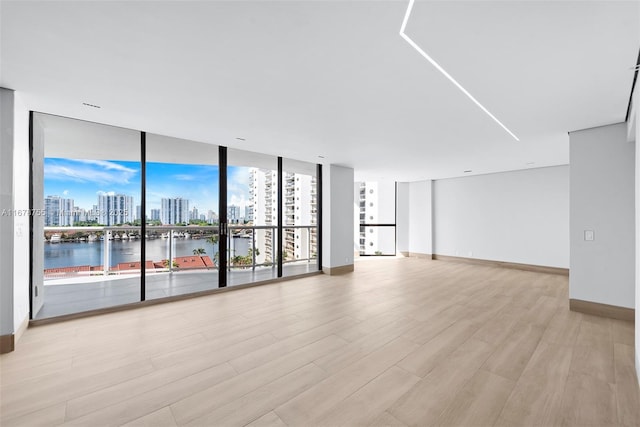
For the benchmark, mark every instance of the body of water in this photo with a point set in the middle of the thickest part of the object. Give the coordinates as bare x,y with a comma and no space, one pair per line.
57,255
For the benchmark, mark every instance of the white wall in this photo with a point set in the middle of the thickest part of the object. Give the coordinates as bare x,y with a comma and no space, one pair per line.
602,200
520,216
402,217
14,244
21,223
420,219
337,216
6,209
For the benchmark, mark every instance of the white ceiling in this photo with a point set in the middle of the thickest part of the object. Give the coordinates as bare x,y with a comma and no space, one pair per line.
304,79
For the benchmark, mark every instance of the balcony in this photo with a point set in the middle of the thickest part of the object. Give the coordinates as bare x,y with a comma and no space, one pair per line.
179,260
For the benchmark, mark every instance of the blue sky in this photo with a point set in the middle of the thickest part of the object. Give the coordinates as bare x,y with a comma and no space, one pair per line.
83,180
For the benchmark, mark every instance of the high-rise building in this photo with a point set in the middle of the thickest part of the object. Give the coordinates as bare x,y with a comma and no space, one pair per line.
194,214
92,215
233,214
115,209
174,211
79,215
299,209
212,218
155,214
376,206
58,211
138,213
263,202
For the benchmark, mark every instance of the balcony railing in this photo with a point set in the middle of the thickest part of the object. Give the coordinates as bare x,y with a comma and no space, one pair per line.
308,254
170,249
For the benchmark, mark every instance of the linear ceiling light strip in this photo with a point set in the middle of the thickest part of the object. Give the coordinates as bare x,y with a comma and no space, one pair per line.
443,71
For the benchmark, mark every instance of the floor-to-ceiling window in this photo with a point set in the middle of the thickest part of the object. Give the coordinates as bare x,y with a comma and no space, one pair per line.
128,216
376,210
182,239
300,217
252,215
87,238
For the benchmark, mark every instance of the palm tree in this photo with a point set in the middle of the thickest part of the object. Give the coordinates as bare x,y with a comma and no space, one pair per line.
213,239
199,251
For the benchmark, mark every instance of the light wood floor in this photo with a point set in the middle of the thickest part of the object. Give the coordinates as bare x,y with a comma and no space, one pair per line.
399,342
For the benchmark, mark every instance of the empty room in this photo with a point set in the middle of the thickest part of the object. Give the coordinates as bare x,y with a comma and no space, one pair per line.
319,213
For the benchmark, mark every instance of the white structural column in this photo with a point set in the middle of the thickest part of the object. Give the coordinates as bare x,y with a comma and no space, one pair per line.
337,219
403,218
6,220
420,219
602,240
14,219
21,238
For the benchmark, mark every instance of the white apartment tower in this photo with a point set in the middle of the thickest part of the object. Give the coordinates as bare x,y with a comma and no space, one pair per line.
376,206
233,214
174,211
212,218
263,201
58,211
300,208
115,209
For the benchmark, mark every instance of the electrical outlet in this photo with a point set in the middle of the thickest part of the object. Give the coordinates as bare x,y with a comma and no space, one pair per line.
589,235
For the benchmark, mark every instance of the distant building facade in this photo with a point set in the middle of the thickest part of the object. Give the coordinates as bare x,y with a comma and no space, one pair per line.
174,211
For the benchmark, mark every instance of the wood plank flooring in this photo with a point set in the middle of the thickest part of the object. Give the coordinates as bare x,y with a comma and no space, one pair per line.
400,342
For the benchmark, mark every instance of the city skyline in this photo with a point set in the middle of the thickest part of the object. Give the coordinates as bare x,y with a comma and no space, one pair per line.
85,180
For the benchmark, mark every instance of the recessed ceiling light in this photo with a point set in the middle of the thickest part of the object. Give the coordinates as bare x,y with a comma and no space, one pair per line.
467,171
86,104
530,163
240,139
442,70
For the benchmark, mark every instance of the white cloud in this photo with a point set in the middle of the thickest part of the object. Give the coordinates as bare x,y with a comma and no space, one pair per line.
65,193
106,165
84,171
183,177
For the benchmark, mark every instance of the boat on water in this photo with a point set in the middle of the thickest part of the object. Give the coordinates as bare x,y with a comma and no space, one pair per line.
186,235
55,238
92,238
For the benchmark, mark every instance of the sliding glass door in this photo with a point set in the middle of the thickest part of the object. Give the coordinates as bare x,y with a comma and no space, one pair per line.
181,214
252,216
